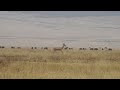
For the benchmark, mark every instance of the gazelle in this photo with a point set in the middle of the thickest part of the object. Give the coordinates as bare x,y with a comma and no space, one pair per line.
59,48
66,48
110,49
45,48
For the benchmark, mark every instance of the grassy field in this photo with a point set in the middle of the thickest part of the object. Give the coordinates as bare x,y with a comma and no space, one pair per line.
43,64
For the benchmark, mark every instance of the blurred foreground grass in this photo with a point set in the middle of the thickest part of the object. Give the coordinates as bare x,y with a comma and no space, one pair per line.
43,64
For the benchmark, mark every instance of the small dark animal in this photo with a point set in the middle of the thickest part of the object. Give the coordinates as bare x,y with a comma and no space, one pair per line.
2,47
84,48
110,49
91,48
70,48
80,48
95,48
46,48
12,47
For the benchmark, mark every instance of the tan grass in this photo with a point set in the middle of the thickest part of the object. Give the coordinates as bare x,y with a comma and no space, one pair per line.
42,64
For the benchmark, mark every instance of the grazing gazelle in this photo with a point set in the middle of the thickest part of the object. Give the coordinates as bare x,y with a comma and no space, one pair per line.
2,47
110,49
91,48
95,48
12,47
59,48
70,48
45,48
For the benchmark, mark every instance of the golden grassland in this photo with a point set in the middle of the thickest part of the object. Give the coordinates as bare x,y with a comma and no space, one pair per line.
71,64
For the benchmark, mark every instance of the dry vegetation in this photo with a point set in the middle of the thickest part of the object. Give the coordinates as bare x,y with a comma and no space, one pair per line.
43,64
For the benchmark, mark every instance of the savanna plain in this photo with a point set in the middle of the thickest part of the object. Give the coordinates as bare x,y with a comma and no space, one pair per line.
47,64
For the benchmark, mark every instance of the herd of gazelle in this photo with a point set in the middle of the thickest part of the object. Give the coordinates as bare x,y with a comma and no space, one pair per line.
64,48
